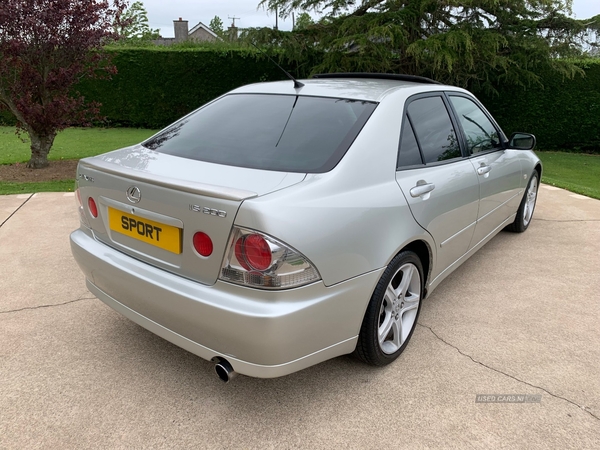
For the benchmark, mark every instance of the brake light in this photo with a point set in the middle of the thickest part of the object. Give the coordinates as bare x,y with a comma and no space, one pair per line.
255,259
253,252
239,253
203,244
92,207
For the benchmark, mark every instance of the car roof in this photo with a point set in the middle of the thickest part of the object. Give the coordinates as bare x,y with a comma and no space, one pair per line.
356,88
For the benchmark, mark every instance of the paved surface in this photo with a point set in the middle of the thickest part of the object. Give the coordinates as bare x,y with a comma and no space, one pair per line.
522,316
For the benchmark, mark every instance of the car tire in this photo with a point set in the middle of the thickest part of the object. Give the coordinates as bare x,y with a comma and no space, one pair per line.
527,206
393,310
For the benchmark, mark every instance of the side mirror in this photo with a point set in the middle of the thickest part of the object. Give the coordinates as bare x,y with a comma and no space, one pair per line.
522,141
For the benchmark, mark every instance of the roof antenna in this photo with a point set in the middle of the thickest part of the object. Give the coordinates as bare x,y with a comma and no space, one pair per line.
297,84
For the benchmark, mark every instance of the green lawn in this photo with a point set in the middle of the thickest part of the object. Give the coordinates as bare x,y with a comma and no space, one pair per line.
72,143
575,172
8,187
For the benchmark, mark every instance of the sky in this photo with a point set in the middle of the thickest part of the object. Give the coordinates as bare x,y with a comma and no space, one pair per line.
161,13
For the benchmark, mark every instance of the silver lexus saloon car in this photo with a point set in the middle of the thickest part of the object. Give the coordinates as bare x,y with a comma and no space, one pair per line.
287,223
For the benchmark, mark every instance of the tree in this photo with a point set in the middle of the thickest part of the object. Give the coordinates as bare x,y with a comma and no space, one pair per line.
472,43
46,47
133,24
303,21
216,24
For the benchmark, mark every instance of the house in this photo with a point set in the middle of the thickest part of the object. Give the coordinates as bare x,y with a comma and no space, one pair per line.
198,33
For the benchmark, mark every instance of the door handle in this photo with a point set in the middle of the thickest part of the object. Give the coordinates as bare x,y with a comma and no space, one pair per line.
421,189
484,169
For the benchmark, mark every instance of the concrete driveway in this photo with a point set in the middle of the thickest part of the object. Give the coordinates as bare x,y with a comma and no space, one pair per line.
520,317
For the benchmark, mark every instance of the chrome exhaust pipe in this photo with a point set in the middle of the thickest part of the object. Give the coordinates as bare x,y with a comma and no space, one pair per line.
223,369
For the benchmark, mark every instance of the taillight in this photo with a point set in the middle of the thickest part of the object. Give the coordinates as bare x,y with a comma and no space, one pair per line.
92,207
239,253
203,244
255,259
253,252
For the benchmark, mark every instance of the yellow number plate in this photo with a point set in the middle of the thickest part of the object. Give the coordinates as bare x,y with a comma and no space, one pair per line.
158,234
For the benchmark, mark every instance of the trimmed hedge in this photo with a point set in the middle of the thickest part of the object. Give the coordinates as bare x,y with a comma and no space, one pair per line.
6,117
157,85
563,113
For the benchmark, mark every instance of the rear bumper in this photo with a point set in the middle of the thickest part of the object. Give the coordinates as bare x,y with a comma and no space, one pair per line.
261,333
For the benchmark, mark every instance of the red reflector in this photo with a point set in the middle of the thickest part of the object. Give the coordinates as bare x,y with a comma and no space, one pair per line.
257,252
92,207
203,244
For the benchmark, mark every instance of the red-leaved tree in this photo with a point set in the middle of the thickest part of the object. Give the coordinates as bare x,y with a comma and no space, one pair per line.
46,47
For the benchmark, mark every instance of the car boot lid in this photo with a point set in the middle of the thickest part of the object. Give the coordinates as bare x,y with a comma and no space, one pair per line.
196,177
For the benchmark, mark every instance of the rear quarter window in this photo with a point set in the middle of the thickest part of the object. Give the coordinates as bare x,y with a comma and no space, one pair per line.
409,154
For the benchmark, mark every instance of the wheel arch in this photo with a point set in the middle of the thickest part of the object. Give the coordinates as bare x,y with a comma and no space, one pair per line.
424,252
538,169
370,344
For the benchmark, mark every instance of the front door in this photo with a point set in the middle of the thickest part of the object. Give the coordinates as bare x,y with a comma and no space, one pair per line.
498,169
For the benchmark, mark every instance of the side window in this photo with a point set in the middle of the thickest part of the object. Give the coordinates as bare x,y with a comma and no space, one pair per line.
409,154
434,129
481,135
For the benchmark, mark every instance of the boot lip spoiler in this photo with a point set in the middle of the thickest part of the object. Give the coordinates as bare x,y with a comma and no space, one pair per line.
209,190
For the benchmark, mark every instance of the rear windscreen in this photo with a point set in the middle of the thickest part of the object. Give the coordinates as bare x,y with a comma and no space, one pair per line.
271,132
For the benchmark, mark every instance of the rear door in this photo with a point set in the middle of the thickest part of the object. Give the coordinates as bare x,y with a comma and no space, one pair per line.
498,169
439,184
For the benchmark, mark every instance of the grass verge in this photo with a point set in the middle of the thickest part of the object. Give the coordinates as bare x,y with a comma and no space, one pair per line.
7,187
72,143
575,172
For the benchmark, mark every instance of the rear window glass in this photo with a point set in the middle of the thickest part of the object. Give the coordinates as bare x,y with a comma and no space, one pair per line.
271,132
